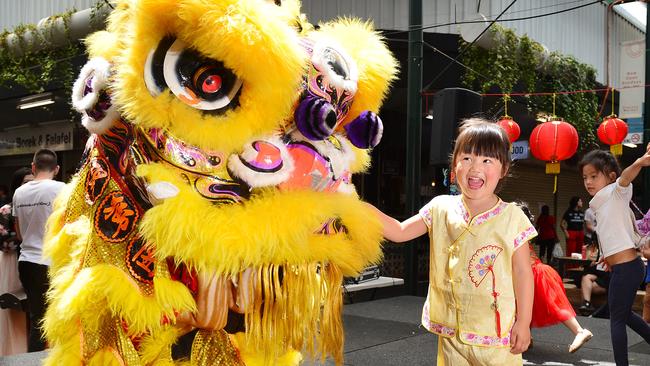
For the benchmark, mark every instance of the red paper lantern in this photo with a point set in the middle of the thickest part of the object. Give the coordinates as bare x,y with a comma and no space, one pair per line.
612,131
511,127
553,141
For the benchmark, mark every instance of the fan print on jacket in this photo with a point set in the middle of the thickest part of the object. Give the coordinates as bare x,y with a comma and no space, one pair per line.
215,192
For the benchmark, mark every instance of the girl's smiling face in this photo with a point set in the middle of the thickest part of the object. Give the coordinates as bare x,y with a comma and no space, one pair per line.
595,180
477,175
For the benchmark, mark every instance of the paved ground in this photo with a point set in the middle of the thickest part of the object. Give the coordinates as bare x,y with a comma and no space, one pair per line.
386,332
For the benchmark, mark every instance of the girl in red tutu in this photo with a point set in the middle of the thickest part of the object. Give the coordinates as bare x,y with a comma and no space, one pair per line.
550,304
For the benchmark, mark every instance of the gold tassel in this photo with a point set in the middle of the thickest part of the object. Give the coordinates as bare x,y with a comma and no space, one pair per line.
295,307
616,150
553,167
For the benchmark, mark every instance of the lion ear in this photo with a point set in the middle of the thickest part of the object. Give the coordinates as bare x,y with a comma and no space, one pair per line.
372,58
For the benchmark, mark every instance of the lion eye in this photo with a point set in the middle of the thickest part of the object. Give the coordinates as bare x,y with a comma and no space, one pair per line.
207,80
198,81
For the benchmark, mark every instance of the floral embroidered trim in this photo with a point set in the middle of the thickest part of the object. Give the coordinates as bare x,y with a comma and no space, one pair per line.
488,215
441,329
475,339
461,209
524,236
425,213
478,220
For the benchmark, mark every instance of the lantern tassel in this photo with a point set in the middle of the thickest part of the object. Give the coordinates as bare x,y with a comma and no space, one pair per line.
555,184
553,167
616,150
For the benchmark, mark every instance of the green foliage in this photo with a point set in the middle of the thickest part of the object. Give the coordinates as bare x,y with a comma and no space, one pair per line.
514,64
34,70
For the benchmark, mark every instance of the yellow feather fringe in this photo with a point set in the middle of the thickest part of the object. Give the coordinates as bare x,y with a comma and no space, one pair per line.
106,287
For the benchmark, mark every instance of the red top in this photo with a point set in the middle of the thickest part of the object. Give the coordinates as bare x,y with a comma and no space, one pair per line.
546,227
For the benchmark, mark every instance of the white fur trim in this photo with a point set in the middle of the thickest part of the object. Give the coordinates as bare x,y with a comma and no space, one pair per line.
160,191
347,188
257,179
99,69
101,126
321,57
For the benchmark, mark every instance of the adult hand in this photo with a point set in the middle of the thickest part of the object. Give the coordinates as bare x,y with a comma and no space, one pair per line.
519,338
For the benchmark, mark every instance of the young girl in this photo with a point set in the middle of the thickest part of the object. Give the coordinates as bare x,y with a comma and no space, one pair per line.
550,304
617,237
477,267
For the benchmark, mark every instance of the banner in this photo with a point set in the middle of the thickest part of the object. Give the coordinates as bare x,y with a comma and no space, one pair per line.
26,140
632,79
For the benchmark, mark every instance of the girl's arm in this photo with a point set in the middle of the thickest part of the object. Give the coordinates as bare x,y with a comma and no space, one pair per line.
633,170
399,232
522,277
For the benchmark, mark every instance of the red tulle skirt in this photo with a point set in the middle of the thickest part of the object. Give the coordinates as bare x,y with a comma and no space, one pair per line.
550,305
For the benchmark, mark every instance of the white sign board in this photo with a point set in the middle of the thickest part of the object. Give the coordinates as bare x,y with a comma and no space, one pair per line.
634,132
519,150
632,79
27,140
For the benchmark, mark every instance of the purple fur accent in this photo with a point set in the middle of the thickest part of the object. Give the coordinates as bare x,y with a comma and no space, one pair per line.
88,87
98,111
365,131
315,118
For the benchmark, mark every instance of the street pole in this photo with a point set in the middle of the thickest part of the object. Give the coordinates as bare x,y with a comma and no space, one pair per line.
413,136
646,113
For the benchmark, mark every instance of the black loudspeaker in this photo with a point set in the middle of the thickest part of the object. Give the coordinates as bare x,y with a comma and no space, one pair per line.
450,106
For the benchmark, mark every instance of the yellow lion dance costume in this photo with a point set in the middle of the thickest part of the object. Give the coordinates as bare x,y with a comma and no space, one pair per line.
215,194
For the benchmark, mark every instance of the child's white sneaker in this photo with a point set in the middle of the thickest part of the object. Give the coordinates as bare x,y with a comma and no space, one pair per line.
581,338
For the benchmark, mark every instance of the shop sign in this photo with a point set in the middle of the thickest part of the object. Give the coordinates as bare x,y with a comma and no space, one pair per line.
634,131
519,150
27,140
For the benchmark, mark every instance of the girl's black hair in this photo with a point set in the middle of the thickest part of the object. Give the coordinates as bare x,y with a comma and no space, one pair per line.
602,161
573,203
17,179
482,137
524,207
545,210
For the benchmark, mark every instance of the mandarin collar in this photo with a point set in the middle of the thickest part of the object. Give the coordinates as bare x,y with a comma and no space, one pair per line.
481,217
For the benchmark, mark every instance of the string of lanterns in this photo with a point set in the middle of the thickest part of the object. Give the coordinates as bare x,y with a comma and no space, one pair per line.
555,140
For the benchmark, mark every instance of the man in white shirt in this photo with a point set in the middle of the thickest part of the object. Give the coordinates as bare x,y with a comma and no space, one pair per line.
31,206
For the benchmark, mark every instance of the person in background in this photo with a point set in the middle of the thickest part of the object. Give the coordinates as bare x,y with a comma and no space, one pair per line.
612,192
479,256
13,322
573,226
591,238
547,235
4,197
32,205
550,304
594,279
